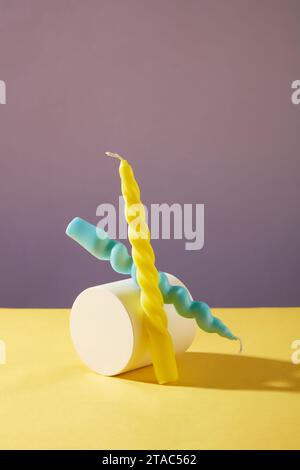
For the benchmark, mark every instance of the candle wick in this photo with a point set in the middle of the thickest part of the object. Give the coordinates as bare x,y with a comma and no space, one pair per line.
114,155
241,345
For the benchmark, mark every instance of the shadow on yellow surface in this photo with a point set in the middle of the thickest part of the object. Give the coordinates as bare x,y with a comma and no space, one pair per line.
229,372
222,400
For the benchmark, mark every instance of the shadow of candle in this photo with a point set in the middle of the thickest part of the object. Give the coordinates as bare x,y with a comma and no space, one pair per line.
229,372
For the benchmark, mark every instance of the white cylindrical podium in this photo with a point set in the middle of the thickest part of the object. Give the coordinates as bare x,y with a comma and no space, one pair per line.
108,332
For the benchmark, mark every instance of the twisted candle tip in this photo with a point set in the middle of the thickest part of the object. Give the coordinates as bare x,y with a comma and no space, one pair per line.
114,155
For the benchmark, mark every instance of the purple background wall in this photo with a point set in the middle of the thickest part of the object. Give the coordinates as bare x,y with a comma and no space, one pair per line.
196,94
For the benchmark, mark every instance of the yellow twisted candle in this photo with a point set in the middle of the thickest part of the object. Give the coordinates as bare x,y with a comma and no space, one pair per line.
160,341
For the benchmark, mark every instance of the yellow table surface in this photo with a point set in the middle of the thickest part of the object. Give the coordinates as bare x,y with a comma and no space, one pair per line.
225,400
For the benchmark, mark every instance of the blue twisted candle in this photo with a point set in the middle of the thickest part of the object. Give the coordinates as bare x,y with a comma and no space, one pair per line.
97,242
